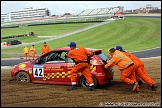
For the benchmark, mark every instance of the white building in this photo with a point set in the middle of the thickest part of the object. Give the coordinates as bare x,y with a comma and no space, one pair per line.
26,13
4,18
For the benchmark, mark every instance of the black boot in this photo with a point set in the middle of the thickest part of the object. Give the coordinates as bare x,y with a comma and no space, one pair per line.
154,87
91,88
140,82
73,87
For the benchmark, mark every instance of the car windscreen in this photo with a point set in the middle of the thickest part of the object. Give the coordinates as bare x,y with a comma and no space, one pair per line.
103,57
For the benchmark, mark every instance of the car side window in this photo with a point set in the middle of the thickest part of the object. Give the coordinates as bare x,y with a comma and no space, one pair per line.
42,59
64,57
55,57
52,56
68,60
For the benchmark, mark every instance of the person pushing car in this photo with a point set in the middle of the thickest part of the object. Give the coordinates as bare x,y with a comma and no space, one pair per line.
125,65
79,56
140,71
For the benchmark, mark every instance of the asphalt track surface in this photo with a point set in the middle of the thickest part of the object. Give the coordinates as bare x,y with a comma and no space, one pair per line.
155,52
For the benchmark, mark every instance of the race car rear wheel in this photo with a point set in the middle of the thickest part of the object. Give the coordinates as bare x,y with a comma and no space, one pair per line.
83,82
23,77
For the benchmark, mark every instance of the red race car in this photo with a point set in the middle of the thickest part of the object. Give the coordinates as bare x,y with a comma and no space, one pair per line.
54,67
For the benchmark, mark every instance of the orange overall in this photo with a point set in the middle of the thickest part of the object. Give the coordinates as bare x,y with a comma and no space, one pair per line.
33,52
125,65
139,69
78,54
26,53
45,49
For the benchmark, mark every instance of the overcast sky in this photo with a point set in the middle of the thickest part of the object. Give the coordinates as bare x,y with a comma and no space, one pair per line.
74,7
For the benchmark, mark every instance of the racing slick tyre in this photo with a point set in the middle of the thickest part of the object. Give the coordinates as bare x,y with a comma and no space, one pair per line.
83,82
23,77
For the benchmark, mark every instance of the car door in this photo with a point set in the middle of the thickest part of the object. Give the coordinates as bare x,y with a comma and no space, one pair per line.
53,68
56,68
69,64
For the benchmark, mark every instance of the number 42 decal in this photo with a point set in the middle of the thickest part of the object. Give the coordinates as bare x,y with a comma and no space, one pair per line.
38,71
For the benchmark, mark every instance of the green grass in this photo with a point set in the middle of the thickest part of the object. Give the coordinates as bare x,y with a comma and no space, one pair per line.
5,55
44,30
133,34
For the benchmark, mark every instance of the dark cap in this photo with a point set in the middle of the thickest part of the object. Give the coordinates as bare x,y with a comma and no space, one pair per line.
44,42
119,48
72,44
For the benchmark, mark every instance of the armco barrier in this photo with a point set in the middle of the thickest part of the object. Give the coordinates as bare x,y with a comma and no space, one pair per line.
6,37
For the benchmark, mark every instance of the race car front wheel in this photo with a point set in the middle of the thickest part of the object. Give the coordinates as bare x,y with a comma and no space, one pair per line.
23,77
83,82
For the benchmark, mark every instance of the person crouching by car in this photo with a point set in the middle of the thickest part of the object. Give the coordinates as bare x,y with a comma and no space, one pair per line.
79,56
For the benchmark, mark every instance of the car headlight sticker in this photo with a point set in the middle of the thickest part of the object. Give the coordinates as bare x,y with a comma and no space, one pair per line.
22,65
30,71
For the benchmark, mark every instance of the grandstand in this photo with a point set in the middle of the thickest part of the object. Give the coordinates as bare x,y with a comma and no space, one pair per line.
111,11
99,14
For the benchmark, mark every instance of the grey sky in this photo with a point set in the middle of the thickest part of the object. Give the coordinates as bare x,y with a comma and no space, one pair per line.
76,7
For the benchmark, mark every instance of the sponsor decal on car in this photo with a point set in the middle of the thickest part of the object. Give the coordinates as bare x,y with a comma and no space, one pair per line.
94,62
53,69
101,74
92,67
57,75
70,64
22,65
30,71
